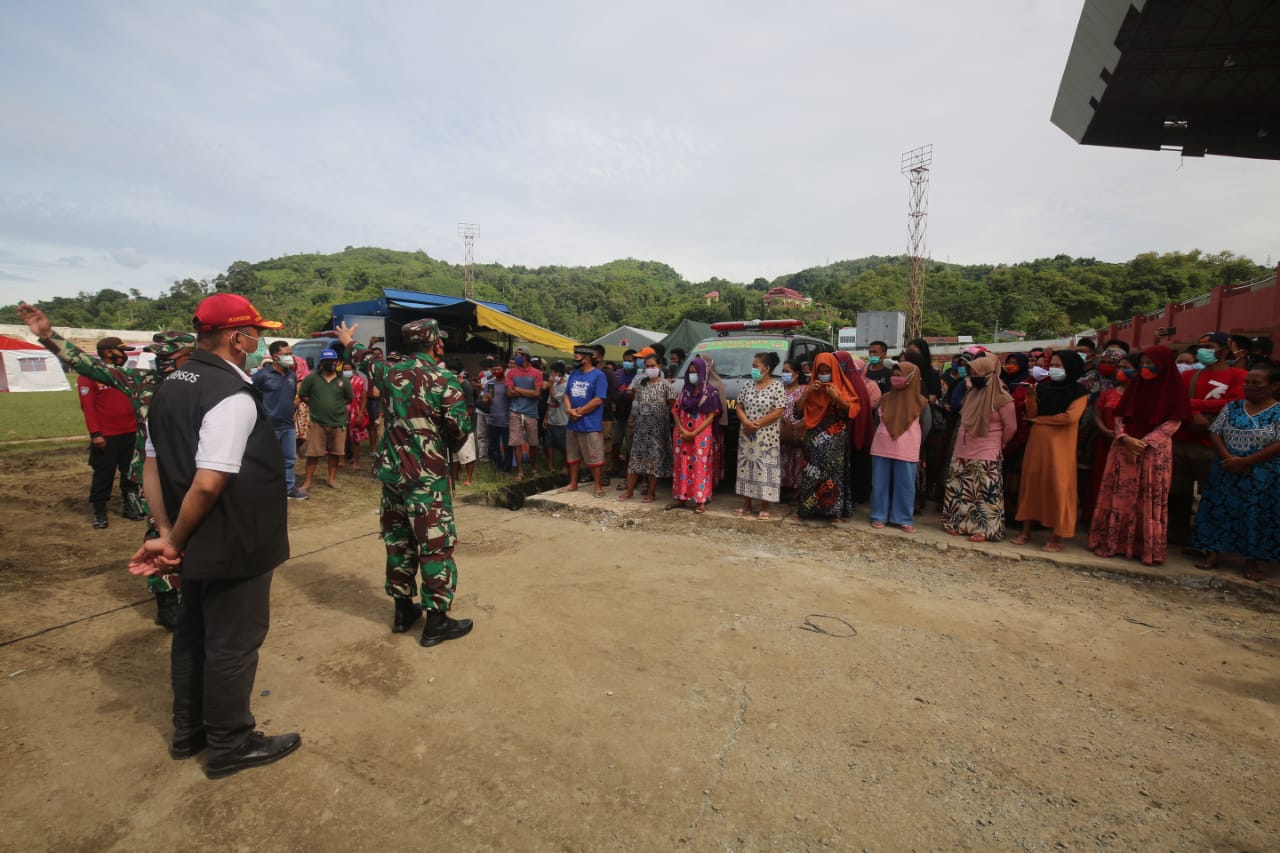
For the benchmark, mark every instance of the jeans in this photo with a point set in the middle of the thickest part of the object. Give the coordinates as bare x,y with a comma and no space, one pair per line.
288,438
893,490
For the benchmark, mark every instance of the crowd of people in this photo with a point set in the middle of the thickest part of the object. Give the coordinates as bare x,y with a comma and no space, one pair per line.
1144,448
1150,447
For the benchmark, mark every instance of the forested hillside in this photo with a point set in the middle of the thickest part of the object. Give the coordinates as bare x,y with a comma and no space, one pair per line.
1044,298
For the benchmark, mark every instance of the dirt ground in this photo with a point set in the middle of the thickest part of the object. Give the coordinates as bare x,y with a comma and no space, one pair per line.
640,683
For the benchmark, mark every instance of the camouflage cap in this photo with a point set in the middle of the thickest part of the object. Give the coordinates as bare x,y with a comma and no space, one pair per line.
170,342
423,332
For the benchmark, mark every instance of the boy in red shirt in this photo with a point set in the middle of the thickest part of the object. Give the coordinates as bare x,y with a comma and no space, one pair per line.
1210,388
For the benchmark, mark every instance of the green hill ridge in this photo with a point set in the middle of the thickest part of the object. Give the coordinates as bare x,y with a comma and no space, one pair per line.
1045,298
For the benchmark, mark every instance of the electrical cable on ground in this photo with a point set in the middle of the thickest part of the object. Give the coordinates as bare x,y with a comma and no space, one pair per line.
150,598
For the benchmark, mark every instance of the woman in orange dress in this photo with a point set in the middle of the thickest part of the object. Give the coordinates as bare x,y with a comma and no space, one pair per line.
1132,513
1048,492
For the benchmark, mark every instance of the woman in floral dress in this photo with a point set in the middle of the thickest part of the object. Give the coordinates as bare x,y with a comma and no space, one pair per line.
791,456
973,498
1132,513
651,436
696,411
1238,511
829,404
761,404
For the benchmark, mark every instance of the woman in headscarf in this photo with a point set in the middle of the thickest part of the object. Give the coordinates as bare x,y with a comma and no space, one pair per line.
1048,492
1132,513
696,411
1117,372
973,500
793,430
828,404
895,449
861,430
1016,378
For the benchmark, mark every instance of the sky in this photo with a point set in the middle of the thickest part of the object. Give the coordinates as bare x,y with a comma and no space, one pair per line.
147,142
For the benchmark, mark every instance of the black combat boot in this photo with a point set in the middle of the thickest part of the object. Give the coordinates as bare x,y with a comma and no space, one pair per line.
132,509
406,614
441,627
100,516
167,610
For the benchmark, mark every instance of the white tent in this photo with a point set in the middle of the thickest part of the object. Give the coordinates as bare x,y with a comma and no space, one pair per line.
29,367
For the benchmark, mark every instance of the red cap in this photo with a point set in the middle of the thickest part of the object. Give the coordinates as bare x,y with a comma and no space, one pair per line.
229,311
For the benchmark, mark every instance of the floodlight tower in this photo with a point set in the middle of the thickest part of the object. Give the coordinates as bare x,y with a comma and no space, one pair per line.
915,166
469,231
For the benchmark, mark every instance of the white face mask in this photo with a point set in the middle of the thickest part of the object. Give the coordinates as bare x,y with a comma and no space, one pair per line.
286,361
1039,373
1186,368
348,373
652,372
693,379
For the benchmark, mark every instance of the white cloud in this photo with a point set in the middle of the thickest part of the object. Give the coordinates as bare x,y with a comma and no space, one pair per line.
131,258
736,140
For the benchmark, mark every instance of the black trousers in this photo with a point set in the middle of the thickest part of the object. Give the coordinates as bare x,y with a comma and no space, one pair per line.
215,658
105,461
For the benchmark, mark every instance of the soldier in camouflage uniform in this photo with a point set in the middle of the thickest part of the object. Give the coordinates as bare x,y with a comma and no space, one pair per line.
426,420
171,349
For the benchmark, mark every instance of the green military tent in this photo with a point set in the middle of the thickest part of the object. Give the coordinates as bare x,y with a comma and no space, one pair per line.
688,333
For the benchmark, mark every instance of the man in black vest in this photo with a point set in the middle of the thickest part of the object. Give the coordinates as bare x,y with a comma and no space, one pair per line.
214,476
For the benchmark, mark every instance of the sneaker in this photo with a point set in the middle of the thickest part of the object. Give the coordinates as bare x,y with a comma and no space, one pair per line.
298,495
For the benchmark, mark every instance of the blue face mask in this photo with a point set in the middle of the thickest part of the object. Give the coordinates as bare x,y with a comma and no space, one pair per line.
1057,374
962,371
519,361
873,359
629,365
757,374
788,378
1206,356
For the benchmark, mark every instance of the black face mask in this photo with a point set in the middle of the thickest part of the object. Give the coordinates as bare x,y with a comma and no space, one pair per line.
978,381
328,368
165,366
579,363
118,359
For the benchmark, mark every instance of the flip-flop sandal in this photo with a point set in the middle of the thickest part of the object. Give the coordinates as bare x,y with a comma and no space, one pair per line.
647,499
740,512
566,489
1020,540
908,528
598,494
700,509
625,497
764,516
674,505
877,525
977,537
1052,547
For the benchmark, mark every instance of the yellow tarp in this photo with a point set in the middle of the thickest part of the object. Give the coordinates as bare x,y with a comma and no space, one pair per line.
523,329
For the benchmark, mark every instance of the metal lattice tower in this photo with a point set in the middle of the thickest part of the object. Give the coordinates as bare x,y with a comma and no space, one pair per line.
469,231
915,166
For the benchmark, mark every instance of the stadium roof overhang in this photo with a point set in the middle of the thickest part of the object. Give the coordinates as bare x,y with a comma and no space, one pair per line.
1200,77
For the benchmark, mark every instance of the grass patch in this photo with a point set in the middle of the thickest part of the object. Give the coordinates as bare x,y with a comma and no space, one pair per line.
487,480
40,414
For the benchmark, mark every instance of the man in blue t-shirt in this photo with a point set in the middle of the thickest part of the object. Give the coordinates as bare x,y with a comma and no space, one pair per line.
584,404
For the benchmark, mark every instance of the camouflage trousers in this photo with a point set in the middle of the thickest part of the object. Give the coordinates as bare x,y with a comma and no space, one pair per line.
157,583
419,534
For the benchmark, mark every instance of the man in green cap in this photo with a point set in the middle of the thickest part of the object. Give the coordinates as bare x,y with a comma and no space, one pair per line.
426,420
171,349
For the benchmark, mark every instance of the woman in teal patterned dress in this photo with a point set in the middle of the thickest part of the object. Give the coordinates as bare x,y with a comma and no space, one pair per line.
1238,511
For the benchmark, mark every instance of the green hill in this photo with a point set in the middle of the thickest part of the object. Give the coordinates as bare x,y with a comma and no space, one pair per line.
1046,297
